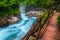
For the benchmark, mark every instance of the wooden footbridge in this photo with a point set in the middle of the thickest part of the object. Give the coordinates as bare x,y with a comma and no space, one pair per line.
48,32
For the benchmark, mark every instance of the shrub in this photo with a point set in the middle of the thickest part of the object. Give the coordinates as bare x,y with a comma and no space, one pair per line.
40,3
44,18
9,7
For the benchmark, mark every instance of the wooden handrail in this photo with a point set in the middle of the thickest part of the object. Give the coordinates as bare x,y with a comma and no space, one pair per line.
45,26
41,31
26,37
31,30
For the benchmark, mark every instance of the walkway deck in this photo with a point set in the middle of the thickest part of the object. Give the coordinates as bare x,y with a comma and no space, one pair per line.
51,32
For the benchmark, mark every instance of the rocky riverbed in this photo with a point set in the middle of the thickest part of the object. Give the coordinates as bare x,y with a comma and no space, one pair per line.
4,21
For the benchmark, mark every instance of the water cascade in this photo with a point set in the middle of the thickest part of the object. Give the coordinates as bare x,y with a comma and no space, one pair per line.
18,30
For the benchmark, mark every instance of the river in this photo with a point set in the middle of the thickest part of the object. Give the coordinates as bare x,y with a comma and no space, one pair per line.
18,30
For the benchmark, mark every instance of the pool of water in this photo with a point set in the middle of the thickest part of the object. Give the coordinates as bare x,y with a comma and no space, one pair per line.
18,30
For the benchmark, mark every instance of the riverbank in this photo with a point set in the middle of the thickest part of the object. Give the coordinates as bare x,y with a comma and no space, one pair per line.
5,21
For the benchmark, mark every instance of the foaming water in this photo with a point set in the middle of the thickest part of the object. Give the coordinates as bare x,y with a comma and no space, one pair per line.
18,30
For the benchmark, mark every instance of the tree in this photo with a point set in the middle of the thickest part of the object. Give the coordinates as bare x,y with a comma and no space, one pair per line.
9,7
35,2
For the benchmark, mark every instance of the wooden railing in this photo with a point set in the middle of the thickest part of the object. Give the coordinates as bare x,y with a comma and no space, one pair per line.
40,31
31,30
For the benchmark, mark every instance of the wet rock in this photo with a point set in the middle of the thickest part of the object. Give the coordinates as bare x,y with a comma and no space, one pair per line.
12,20
34,13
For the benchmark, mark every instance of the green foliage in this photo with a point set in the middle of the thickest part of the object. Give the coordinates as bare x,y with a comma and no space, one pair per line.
9,7
38,3
58,8
59,19
5,3
43,2
55,5
43,21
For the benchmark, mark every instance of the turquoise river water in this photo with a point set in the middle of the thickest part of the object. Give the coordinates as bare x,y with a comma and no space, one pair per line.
18,30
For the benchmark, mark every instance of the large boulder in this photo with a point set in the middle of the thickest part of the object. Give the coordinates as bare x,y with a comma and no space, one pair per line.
12,20
34,13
